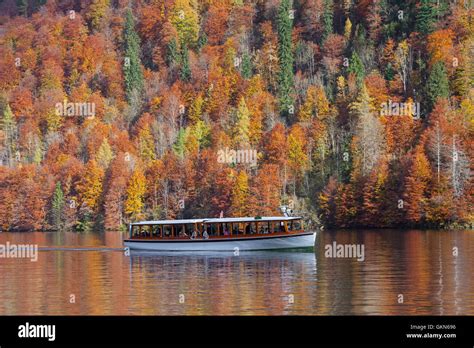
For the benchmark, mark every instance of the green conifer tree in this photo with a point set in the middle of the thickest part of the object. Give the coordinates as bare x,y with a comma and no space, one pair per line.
328,16
185,73
22,6
425,16
172,54
179,147
8,126
246,66
132,69
437,85
356,67
57,207
285,55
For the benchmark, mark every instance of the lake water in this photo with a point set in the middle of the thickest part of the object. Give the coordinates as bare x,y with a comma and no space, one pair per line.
417,267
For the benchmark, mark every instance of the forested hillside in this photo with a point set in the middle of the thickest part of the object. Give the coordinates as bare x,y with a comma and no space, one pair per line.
353,113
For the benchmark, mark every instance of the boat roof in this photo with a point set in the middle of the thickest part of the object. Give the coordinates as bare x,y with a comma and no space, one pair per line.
217,220
250,219
168,222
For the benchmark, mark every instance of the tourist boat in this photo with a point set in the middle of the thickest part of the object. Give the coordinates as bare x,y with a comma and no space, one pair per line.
220,234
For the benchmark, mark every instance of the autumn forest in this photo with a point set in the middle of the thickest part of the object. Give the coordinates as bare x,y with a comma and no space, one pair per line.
354,113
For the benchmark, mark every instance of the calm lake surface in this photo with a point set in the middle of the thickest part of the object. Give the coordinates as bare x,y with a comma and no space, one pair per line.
419,265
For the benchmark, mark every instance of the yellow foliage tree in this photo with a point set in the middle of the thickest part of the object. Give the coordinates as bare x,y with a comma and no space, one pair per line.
195,111
96,12
297,157
242,124
347,28
316,104
146,145
135,195
185,19
240,195
104,154
90,186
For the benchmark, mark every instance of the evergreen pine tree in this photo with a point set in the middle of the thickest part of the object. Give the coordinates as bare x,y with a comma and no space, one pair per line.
389,73
179,147
356,67
22,6
437,85
246,66
57,207
327,18
172,54
285,55
202,41
185,73
426,16
8,126
132,69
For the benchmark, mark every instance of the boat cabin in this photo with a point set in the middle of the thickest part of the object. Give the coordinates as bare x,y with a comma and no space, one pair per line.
214,228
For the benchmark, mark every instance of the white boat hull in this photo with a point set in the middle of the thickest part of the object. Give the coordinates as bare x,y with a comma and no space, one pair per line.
262,243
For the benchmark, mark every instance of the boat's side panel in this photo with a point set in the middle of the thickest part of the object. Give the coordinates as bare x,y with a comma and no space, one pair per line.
284,242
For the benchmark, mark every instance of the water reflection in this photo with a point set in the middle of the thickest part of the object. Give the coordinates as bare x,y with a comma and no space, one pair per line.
224,283
419,265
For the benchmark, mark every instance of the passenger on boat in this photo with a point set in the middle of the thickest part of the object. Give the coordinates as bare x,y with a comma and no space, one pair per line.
194,235
205,235
249,229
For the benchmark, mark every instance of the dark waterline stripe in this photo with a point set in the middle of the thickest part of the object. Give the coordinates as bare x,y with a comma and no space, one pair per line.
53,248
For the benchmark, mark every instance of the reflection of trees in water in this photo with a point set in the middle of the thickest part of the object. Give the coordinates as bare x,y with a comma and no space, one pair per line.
218,284
418,264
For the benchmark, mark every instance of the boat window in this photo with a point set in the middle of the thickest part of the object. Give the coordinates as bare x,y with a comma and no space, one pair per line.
135,231
250,228
166,231
263,227
296,225
179,231
155,232
225,229
145,232
275,226
235,229
190,229
212,230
